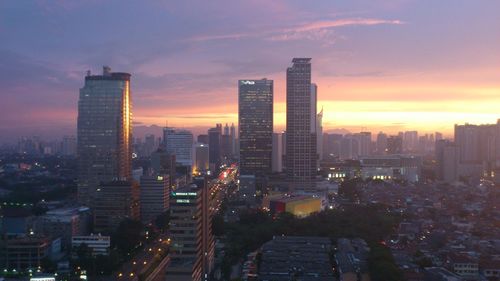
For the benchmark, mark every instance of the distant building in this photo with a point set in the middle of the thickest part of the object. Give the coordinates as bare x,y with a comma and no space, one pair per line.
301,154
381,145
214,145
98,244
201,165
192,248
154,200
384,167
104,132
447,161
180,144
116,201
394,145
68,146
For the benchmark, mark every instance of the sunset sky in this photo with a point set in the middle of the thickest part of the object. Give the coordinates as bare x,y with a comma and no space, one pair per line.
379,65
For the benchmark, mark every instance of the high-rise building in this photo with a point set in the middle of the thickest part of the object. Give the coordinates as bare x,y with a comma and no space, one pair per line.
277,153
447,161
155,191
255,124
301,153
68,146
410,141
201,165
232,133
180,144
395,145
115,201
192,248
214,145
104,132
364,143
319,134
226,144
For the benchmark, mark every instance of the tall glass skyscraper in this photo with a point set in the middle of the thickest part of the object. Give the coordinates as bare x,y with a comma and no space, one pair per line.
255,117
104,132
301,154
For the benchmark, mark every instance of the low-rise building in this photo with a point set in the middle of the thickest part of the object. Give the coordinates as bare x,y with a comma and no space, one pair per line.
296,258
98,244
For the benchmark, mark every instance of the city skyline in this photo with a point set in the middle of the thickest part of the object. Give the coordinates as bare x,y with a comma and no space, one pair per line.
380,67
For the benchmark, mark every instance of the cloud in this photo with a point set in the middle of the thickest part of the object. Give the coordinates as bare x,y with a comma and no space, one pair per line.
343,22
313,30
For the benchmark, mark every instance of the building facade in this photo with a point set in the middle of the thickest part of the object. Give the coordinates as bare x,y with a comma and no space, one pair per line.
301,147
155,191
192,248
104,130
255,124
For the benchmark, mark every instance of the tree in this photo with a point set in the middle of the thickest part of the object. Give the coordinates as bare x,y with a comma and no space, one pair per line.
128,235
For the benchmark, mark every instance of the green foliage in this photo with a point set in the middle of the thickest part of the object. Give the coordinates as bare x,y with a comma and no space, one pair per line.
371,223
351,189
381,264
218,225
161,222
128,236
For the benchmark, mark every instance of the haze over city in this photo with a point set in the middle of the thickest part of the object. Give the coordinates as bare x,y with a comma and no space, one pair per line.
379,65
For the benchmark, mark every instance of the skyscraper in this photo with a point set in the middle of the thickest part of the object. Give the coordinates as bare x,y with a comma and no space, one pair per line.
255,118
300,128
214,144
319,134
104,130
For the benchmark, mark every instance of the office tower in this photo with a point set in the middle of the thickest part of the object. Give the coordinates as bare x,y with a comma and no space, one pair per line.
104,132
394,145
201,164
115,201
255,124
214,145
319,134
381,146
180,144
232,133
277,166
301,154
192,248
154,200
